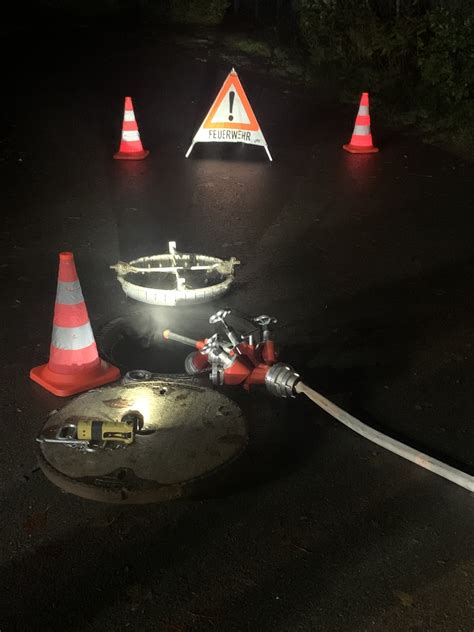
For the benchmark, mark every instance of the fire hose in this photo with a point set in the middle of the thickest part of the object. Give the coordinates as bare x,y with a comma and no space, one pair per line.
419,458
244,360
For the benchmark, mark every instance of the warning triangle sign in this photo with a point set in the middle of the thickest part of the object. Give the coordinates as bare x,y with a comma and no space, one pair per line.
231,118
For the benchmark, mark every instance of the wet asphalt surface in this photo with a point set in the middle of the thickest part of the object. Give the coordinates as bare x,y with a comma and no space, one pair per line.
367,263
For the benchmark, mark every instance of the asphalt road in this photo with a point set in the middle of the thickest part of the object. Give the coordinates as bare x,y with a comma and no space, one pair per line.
367,263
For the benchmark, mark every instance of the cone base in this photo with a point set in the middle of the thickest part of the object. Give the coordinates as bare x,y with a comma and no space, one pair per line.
65,385
357,149
131,155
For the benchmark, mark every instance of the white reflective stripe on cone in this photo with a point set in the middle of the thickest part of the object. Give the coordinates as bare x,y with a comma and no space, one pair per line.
131,136
72,338
69,293
361,130
364,110
128,115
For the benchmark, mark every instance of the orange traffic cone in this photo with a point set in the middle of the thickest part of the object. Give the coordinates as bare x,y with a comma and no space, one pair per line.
361,141
74,364
131,147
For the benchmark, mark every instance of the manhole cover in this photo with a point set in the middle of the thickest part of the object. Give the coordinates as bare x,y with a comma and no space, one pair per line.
190,432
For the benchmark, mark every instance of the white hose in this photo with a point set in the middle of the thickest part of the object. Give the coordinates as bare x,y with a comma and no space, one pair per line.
428,462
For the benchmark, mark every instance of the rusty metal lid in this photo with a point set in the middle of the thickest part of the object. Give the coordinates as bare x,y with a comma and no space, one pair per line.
194,431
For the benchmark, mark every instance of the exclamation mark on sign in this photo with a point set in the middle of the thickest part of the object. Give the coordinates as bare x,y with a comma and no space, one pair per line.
231,104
